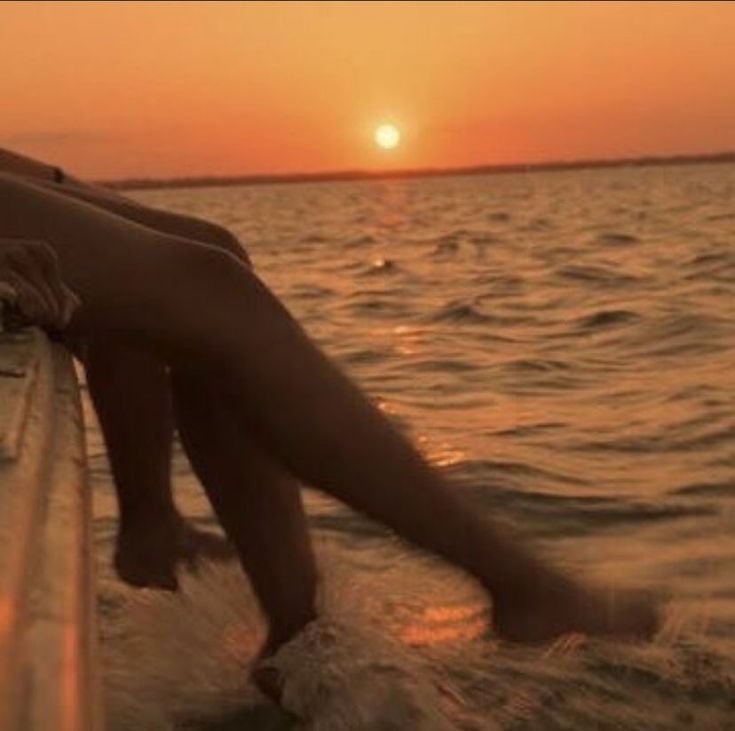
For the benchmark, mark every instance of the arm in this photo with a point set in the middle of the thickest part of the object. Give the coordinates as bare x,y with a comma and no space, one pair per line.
15,164
188,227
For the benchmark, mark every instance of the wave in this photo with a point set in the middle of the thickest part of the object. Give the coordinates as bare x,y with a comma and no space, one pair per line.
595,275
314,238
716,266
661,442
707,489
606,318
553,513
617,239
690,333
536,365
377,303
363,356
460,312
443,248
442,365
311,292
339,677
360,241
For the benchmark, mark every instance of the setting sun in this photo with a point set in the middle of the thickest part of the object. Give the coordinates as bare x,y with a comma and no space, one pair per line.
387,136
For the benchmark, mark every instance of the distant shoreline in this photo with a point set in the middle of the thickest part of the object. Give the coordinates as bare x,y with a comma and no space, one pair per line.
352,175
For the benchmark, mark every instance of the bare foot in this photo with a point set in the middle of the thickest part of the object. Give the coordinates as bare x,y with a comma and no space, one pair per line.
268,680
562,606
148,552
266,677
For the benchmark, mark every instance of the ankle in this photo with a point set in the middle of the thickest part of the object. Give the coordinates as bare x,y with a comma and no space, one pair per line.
283,631
534,587
148,515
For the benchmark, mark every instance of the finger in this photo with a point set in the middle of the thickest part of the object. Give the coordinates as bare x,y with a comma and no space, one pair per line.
8,307
29,276
48,262
8,293
32,305
48,279
61,299
70,304
53,306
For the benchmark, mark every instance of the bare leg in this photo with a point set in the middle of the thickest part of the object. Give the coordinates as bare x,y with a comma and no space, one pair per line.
257,503
129,388
46,176
125,382
202,309
15,164
131,393
271,536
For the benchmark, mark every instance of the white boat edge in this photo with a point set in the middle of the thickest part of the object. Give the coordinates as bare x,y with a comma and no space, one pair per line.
49,673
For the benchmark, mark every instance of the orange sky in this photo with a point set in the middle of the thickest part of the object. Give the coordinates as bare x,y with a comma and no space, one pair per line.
115,89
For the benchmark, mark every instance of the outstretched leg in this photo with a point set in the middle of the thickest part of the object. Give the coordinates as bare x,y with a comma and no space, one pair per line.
257,503
203,309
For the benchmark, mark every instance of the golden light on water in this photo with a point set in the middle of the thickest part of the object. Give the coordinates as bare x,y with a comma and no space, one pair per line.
387,136
445,624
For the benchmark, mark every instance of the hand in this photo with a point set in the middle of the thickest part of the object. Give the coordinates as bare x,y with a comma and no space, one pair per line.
30,282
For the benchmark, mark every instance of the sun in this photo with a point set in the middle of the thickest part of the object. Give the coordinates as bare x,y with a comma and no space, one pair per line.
387,136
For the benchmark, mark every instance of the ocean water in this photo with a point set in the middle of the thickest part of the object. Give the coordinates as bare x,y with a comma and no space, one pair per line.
562,345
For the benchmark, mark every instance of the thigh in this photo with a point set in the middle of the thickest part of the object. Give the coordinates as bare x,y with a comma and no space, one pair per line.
163,221
12,162
124,273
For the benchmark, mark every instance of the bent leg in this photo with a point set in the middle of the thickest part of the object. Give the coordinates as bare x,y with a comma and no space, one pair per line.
125,383
203,309
131,392
257,503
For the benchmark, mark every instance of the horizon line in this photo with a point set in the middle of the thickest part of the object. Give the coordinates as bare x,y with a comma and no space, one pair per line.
201,181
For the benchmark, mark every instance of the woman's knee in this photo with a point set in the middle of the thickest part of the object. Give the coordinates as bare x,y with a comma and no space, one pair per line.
217,236
204,274
203,261
228,242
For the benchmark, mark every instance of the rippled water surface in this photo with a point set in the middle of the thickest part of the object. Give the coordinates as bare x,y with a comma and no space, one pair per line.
563,346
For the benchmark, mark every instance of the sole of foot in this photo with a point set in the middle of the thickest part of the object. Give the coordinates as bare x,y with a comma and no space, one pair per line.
148,555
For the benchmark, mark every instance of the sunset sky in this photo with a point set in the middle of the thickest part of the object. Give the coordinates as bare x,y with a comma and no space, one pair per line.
120,89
